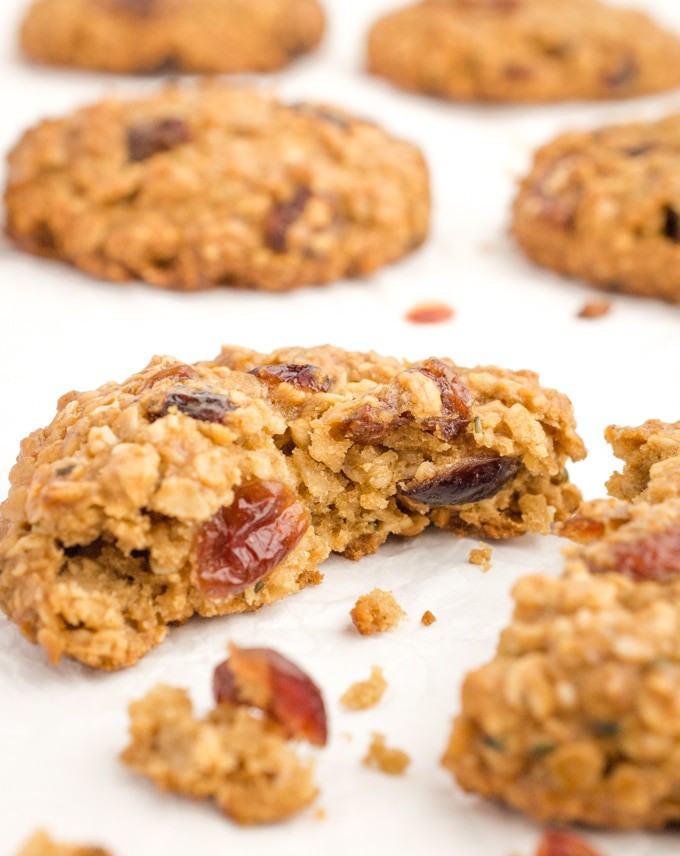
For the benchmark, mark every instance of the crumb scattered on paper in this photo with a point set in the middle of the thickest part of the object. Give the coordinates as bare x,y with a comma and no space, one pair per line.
428,618
393,762
364,694
481,555
376,612
595,309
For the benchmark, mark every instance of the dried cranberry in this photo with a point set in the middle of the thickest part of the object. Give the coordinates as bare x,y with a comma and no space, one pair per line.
556,843
430,313
468,481
656,557
246,540
158,135
174,373
202,405
281,218
307,377
262,678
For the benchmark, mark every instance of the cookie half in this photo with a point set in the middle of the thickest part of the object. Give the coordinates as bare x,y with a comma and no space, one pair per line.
211,185
217,36
523,50
605,207
220,487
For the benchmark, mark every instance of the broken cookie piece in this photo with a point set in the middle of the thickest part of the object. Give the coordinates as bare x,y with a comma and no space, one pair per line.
239,755
365,694
393,762
481,556
42,845
220,487
376,612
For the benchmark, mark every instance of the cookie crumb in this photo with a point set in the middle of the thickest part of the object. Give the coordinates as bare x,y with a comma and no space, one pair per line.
376,612
481,556
595,309
393,762
428,618
320,813
364,694
430,313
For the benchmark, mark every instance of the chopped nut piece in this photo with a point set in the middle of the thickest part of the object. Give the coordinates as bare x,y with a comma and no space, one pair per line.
376,612
365,694
481,556
428,618
391,761
595,309
430,313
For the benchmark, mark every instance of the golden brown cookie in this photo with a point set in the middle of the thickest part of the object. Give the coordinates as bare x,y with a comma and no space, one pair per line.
523,50
220,487
186,35
211,185
604,206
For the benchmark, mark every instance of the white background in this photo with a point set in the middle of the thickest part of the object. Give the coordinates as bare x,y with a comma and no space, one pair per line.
61,729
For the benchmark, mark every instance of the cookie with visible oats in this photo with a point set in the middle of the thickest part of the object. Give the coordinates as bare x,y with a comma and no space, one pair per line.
220,487
604,206
523,50
209,185
132,36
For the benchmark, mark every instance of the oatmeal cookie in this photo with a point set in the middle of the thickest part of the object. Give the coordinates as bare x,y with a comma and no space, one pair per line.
210,185
604,206
523,50
220,487
42,845
240,759
218,36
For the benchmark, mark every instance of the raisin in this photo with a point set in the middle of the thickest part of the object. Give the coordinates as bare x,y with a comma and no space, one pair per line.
175,373
430,313
202,405
146,139
262,678
638,151
623,75
468,481
246,540
307,377
559,192
671,224
281,218
556,843
656,557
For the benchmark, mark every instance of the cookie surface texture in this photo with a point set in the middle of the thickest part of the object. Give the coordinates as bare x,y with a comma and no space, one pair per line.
210,185
128,36
523,50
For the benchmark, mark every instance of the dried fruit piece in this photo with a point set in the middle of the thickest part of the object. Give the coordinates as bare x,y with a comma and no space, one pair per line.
158,135
202,405
281,218
623,75
656,557
468,481
174,373
555,843
671,224
430,313
307,377
595,309
456,399
262,678
246,540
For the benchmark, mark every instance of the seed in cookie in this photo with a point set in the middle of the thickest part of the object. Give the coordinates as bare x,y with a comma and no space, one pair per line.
598,206
194,187
220,487
133,36
523,50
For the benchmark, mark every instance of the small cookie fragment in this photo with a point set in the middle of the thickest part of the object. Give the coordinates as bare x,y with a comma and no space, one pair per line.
376,612
427,618
42,845
595,309
133,36
558,843
393,762
481,555
194,187
364,694
240,759
598,206
523,50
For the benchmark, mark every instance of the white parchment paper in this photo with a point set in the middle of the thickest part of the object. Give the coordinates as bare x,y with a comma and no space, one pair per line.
61,729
